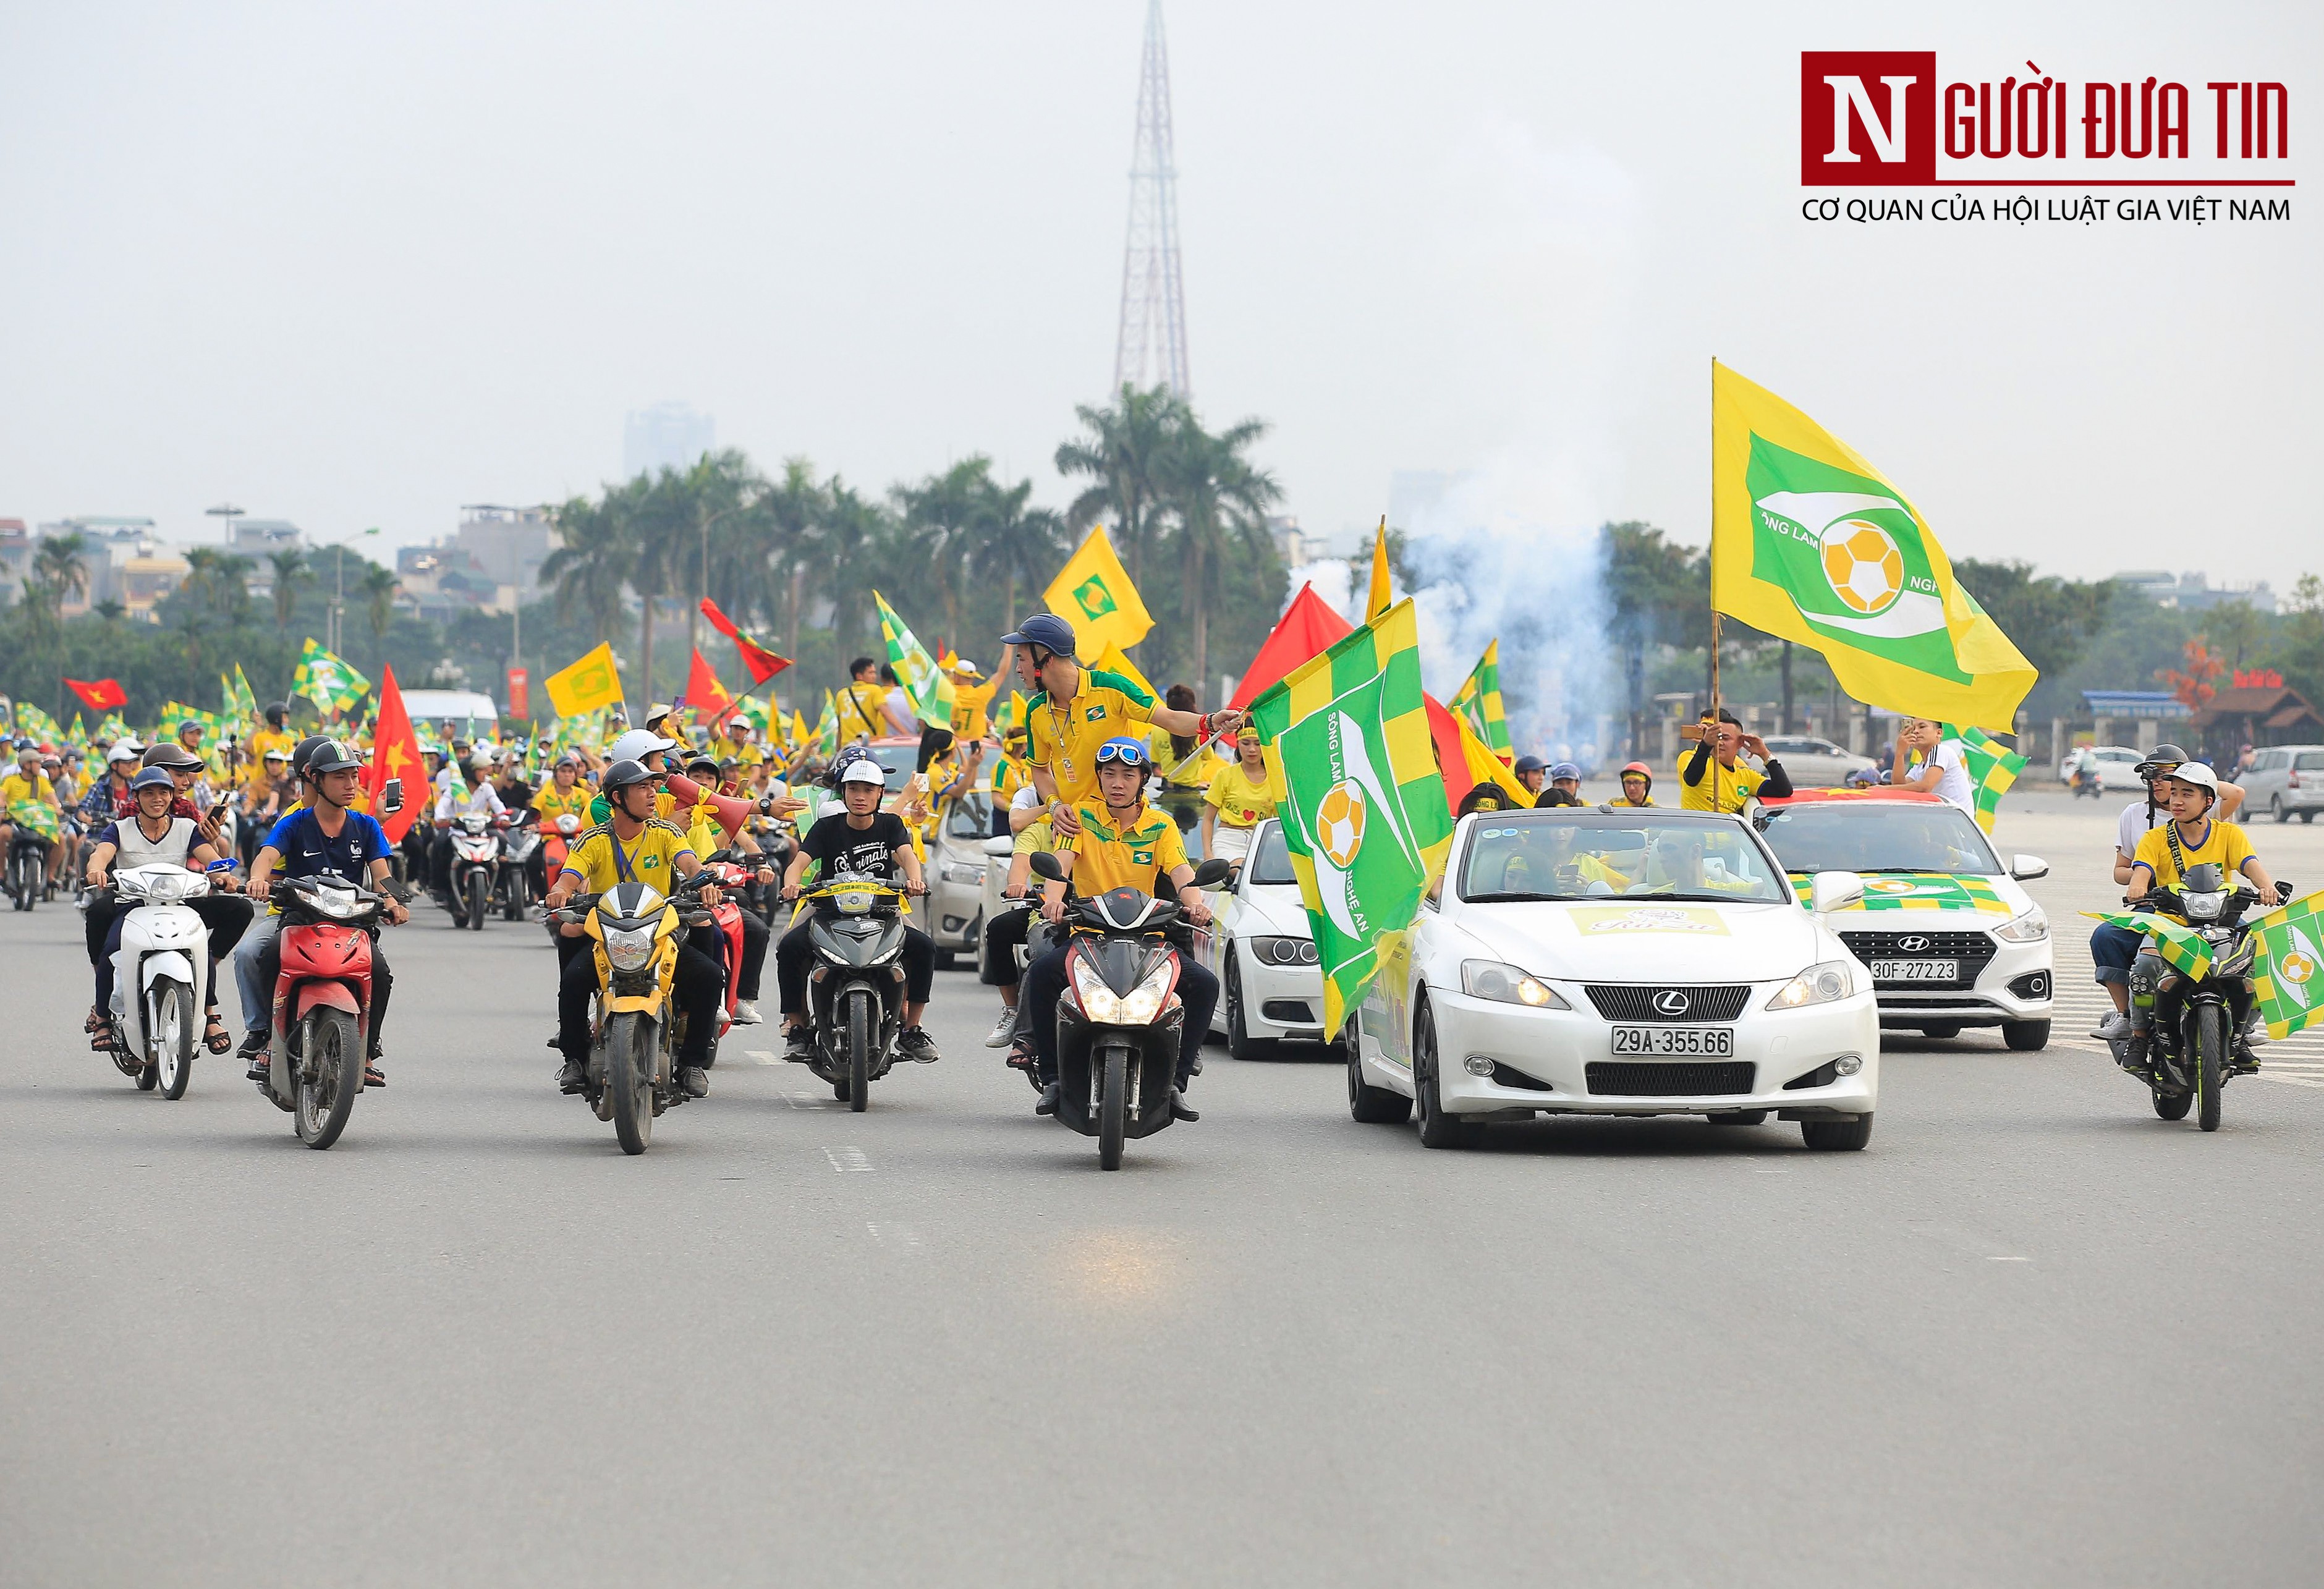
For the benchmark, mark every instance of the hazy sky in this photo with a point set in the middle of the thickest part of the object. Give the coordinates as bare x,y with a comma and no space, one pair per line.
356,265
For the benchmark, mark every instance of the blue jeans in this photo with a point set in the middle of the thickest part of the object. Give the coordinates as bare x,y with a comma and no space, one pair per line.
2112,949
249,956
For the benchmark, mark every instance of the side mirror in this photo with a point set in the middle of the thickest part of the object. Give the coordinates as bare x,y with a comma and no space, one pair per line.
2025,868
999,846
1213,873
1046,867
1835,890
390,797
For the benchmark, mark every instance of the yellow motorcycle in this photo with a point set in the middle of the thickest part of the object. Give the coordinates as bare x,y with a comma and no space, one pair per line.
635,933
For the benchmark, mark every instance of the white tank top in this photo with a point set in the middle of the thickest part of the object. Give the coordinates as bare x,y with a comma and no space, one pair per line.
170,850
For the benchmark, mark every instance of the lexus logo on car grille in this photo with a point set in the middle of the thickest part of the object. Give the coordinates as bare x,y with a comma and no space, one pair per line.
1671,1002
1913,944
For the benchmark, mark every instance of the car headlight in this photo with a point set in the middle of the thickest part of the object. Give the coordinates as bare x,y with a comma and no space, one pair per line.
1819,984
628,948
1490,979
1097,1001
1283,951
2029,928
962,872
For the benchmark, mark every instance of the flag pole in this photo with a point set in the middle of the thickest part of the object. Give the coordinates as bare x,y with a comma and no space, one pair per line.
1714,539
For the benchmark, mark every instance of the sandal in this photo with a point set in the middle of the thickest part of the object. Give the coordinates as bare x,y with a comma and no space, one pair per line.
216,1037
98,1021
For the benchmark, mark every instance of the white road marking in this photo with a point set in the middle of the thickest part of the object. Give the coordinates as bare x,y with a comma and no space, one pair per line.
848,1159
762,1056
889,1233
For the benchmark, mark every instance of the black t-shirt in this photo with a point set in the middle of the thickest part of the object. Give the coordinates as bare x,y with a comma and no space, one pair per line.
864,851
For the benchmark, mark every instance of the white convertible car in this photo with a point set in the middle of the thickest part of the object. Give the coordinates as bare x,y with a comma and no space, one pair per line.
1605,960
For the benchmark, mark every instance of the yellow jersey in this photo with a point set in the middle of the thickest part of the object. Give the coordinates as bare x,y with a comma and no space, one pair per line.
1722,789
1132,855
2224,844
1185,777
1065,734
17,787
602,860
969,702
552,802
862,710
1241,803
1008,776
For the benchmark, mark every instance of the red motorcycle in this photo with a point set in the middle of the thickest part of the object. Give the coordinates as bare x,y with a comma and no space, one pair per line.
322,1004
731,877
556,841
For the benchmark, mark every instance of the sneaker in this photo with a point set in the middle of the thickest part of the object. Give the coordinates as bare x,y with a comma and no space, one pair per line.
1180,1110
1049,1097
253,1042
799,1045
914,1043
2114,1029
999,1037
746,1012
572,1078
694,1080
2256,1034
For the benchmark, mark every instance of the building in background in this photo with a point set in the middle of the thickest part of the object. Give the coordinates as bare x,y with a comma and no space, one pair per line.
666,436
1296,548
2192,592
487,565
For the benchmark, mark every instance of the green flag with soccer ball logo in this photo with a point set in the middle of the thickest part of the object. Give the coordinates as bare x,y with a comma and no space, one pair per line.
327,680
2288,977
1365,821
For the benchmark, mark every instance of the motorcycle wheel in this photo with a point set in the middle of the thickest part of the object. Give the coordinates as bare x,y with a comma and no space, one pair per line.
1113,1094
170,1027
2211,1056
480,896
520,895
28,883
629,1077
330,1075
2173,1106
859,1051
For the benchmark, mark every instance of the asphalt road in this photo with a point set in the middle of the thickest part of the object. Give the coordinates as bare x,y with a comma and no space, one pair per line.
2031,1337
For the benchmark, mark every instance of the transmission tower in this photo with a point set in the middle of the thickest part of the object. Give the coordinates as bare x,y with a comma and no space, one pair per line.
1151,347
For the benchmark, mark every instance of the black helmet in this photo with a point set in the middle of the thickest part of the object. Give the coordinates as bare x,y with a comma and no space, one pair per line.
622,775
331,756
276,711
698,766
171,753
304,748
2159,758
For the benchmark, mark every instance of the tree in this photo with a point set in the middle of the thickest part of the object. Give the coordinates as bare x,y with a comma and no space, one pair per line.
1217,498
59,568
1121,451
941,520
2236,628
378,588
2048,618
793,508
290,574
2194,682
590,567
1661,595
1020,544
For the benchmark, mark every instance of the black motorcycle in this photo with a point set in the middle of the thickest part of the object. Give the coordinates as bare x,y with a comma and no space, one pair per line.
28,868
855,994
1119,1020
2192,1042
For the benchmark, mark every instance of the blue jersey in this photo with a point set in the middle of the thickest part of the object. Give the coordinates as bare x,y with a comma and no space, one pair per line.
307,851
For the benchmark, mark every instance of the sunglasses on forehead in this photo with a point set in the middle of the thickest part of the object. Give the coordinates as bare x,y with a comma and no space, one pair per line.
1127,755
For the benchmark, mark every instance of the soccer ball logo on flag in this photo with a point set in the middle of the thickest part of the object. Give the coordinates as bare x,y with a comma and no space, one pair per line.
2296,968
1864,565
1340,823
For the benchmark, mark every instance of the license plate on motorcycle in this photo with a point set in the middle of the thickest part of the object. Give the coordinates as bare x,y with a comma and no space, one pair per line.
1676,1042
1916,971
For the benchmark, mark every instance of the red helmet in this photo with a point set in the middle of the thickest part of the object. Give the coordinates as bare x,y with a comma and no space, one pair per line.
1641,768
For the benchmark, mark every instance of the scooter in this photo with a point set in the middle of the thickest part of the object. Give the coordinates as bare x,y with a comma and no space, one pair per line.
515,886
161,976
28,866
475,868
2087,781
855,992
322,1004
732,876
1119,1020
636,932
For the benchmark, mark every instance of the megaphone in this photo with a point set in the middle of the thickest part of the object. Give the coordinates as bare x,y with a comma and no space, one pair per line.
730,811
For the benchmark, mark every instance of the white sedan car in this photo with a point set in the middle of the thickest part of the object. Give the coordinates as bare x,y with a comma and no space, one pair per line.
1263,953
1601,961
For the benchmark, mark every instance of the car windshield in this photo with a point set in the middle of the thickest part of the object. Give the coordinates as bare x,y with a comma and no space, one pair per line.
971,817
1572,853
1878,836
1270,858
897,762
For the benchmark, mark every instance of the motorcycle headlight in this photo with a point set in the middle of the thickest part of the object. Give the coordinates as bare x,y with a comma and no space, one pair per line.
1097,1001
855,902
1145,1000
1826,984
1490,979
2204,907
339,902
2029,928
628,948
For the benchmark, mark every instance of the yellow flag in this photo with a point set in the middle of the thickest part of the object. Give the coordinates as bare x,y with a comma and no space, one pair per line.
1484,767
1093,594
588,684
1810,543
1113,662
799,734
1378,603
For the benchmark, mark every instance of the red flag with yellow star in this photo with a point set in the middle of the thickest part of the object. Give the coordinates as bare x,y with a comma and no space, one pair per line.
395,754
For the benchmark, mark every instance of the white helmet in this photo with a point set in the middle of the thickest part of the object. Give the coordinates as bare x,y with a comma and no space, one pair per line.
637,744
2195,772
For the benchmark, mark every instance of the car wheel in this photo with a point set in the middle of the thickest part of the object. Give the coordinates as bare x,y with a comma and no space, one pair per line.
2026,1037
1240,1043
1437,1128
1837,1136
1941,1029
947,959
2275,808
1370,1105
2308,817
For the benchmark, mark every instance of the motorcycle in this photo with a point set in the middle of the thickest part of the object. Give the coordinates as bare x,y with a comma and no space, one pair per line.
514,891
1118,1020
2087,781
557,843
855,992
475,868
636,932
28,867
161,976
2192,1040
321,1027
732,874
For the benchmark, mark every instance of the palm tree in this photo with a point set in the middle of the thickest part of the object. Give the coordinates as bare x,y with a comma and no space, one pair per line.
292,574
61,573
591,565
1122,454
942,520
378,588
792,510
1017,544
1220,503
111,610
842,558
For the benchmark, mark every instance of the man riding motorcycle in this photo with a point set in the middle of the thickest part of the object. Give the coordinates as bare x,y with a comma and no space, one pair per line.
706,837
1120,843
473,793
565,795
150,837
29,782
2192,839
2112,947
324,837
866,841
633,845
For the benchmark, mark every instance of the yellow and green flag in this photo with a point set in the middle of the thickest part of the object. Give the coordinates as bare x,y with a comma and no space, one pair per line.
929,686
1992,768
1810,543
589,685
1092,592
826,728
241,701
2182,949
1477,702
2287,980
35,724
327,680
1365,819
